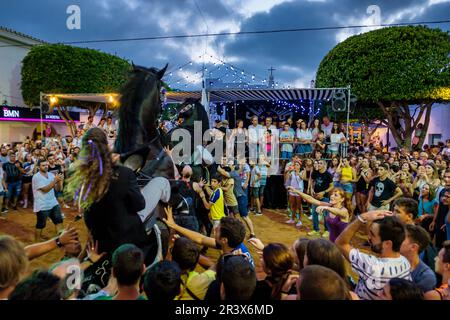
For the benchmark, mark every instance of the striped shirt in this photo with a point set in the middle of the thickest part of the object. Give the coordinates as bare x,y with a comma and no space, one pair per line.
263,170
375,272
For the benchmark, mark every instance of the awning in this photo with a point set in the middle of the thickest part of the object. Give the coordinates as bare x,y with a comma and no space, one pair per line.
231,95
221,95
90,97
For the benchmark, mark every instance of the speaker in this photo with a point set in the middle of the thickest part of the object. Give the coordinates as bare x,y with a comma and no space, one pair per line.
339,101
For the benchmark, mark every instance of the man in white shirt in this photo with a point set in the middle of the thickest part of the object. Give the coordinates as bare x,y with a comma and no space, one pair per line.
326,126
269,125
386,235
76,142
46,205
89,124
255,135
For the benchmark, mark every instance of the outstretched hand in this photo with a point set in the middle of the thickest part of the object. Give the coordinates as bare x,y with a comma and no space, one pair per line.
320,209
202,183
168,151
376,214
92,251
115,158
169,213
69,236
257,243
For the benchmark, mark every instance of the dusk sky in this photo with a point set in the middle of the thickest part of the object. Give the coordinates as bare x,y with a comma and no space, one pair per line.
294,55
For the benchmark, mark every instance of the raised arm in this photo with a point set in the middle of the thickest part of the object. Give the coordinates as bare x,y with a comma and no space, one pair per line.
192,235
51,185
341,212
36,250
308,198
223,172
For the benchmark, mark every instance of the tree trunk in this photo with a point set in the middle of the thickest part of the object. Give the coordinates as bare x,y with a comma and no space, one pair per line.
93,109
105,111
426,124
391,117
408,129
64,114
403,134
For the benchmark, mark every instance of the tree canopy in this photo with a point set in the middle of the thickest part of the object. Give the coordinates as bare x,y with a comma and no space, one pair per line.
57,68
389,64
393,68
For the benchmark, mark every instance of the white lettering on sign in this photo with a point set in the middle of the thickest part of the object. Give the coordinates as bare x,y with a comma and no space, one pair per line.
11,113
52,116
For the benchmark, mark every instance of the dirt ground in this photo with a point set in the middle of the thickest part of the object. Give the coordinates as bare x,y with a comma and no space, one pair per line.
270,227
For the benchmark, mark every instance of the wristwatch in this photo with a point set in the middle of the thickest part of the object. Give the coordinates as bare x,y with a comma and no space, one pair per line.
58,243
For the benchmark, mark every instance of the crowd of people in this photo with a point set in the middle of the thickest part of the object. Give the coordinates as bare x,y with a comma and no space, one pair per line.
396,199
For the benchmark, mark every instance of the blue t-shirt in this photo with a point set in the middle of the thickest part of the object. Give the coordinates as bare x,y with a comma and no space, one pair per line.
255,182
286,146
424,277
246,169
245,252
427,206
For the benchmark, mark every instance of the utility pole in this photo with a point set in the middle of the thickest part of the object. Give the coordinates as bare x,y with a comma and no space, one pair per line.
271,78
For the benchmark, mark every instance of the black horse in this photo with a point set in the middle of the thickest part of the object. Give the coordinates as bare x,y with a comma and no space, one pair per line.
139,139
190,112
139,144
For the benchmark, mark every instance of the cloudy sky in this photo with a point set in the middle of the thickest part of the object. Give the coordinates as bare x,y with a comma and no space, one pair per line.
294,55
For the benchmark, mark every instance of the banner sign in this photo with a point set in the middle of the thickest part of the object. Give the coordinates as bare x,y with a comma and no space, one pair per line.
32,115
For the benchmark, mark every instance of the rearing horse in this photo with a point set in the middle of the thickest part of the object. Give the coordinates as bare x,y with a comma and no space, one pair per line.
140,147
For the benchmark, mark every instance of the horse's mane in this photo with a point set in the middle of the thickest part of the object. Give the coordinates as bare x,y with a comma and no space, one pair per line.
198,111
140,84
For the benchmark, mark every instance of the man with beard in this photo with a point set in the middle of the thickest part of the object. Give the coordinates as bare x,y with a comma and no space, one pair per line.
45,204
13,177
386,235
4,158
182,200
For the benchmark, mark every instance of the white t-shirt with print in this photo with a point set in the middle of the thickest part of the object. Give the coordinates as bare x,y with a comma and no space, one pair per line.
43,201
375,272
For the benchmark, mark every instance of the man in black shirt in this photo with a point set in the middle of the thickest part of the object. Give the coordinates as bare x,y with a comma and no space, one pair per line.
439,220
183,201
13,178
382,190
322,183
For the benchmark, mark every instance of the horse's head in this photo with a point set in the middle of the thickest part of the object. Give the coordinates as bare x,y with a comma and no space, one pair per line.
140,107
192,110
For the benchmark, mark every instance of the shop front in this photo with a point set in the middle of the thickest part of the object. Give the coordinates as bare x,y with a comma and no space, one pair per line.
18,123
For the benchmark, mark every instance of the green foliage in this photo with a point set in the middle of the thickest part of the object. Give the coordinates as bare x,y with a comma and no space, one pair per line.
389,64
66,69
